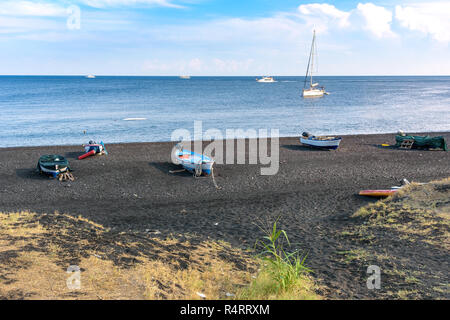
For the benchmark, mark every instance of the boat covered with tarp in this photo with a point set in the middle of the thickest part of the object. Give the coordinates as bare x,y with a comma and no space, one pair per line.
53,165
425,142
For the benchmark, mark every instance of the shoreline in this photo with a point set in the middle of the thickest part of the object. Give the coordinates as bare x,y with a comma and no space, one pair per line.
313,194
437,133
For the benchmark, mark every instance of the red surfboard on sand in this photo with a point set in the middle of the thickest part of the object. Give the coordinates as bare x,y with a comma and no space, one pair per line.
378,193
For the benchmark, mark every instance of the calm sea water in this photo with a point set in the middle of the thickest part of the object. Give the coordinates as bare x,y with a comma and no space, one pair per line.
50,110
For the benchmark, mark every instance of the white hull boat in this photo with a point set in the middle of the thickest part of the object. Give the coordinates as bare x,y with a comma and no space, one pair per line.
323,142
266,80
192,161
313,93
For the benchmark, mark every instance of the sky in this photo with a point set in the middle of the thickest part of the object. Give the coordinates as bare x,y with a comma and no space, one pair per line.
223,37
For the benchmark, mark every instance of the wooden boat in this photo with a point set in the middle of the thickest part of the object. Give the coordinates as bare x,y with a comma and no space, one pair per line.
93,148
323,142
379,193
53,165
192,161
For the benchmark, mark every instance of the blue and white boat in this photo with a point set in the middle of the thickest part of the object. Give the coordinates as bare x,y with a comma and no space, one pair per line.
192,161
323,142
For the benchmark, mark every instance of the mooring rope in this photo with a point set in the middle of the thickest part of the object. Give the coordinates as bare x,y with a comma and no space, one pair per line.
214,179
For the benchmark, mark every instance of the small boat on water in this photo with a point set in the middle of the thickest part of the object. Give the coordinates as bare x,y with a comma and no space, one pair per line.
185,77
90,76
266,79
314,91
53,165
323,142
192,161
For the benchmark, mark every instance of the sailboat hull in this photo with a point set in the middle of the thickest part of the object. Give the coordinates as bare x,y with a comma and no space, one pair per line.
313,93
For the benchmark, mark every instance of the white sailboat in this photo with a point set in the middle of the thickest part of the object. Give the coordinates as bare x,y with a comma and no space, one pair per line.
313,91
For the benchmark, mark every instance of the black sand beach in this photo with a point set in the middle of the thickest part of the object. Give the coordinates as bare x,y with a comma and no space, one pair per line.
314,194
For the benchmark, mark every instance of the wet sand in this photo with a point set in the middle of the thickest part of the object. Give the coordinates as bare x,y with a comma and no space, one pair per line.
314,193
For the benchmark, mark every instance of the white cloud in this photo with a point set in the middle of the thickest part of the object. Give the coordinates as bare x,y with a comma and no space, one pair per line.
322,16
117,3
377,19
28,8
431,18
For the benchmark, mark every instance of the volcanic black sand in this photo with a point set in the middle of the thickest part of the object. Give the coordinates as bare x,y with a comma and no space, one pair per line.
314,193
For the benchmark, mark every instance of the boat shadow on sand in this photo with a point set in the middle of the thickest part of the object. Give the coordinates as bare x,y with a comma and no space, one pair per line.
30,173
166,167
297,147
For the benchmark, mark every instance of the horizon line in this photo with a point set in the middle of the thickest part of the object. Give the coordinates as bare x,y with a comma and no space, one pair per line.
258,75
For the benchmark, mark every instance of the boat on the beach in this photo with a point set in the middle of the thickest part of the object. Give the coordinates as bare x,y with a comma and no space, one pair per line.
53,165
378,193
266,79
313,91
421,142
93,148
324,142
192,161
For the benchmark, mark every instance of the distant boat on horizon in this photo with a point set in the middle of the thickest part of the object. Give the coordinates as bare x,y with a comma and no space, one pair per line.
185,77
314,91
90,76
266,79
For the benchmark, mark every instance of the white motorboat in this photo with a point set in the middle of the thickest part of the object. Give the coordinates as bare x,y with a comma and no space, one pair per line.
266,79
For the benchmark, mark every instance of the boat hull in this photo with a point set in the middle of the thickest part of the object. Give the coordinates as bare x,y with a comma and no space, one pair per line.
191,167
331,144
313,93
378,193
191,161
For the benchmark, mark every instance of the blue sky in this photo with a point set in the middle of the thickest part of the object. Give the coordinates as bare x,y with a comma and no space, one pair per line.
224,37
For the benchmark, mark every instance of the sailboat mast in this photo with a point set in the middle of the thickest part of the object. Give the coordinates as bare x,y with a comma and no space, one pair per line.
310,61
313,49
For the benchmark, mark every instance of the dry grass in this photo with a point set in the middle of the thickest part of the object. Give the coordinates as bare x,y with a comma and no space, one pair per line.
408,236
36,250
34,258
416,212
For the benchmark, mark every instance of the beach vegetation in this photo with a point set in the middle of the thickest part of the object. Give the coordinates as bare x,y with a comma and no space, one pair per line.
37,249
283,274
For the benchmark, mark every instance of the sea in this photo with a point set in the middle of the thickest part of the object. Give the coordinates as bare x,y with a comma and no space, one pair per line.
71,110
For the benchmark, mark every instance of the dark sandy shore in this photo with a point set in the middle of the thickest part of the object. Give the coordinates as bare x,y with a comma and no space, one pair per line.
314,193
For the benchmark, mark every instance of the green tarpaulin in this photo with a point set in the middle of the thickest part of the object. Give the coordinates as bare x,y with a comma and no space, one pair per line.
423,141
